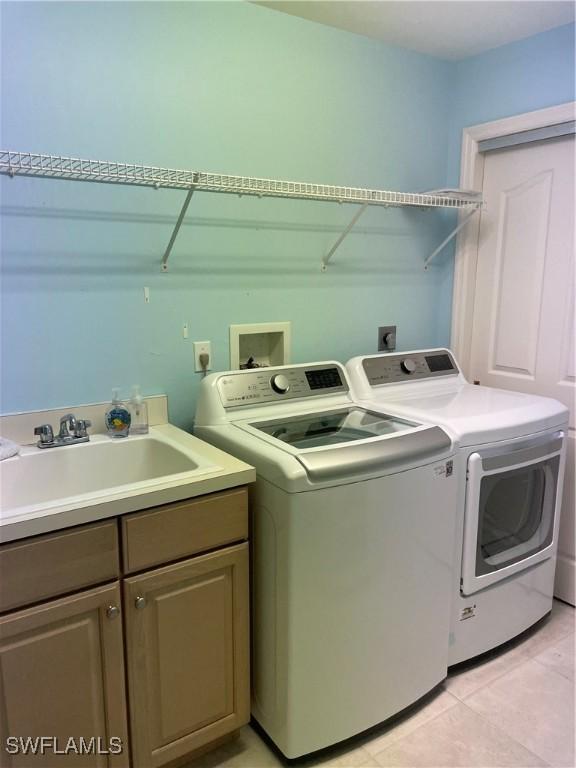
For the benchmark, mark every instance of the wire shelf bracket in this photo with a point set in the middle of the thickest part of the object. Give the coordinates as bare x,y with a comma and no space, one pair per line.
176,229
75,169
452,234
326,259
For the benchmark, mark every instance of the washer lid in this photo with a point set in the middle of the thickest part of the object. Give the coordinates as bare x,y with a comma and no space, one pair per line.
377,456
351,443
328,428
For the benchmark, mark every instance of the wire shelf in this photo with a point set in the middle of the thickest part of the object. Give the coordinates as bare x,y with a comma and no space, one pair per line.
77,169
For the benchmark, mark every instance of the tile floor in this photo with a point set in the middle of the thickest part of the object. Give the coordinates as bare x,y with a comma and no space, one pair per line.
514,707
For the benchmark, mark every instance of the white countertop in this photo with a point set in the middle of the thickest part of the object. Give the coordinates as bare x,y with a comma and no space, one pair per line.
215,471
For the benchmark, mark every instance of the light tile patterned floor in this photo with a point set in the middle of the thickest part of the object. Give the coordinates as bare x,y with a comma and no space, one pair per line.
513,708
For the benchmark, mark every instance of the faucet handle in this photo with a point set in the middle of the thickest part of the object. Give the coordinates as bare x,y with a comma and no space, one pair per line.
81,427
46,434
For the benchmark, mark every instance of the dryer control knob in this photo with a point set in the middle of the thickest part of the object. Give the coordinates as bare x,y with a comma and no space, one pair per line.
408,365
280,384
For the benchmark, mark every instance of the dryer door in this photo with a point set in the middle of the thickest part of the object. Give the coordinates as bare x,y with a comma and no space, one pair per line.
512,501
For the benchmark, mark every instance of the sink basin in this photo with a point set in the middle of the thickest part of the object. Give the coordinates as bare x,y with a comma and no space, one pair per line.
104,477
40,476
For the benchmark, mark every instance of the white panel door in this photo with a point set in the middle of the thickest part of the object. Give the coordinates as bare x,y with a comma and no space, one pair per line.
523,331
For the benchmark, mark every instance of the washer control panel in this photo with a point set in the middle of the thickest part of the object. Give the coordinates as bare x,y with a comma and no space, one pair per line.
409,366
263,385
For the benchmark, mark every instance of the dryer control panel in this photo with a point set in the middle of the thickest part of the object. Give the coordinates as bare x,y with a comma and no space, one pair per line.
266,385
408,366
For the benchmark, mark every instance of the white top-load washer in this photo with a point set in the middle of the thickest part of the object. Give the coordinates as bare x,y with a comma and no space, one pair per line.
510,463
353,528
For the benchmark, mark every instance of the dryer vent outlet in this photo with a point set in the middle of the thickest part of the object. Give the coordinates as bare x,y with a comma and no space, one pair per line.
386,338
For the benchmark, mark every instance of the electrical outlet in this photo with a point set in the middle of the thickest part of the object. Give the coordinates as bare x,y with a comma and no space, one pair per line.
386,338
201,348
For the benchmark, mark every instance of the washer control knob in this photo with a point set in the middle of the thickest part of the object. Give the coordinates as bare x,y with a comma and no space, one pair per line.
408,365
280,384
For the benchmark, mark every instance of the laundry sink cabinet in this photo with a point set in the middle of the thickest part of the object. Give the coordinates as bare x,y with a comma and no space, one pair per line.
186,631
158,598
61,665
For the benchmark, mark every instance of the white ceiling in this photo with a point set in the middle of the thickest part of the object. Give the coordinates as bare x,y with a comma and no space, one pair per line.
449,29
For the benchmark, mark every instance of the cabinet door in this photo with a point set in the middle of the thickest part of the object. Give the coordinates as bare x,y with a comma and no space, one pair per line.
187,654
62,677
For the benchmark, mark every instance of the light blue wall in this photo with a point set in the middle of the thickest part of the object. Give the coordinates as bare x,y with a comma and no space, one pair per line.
521,77
531,74
227,87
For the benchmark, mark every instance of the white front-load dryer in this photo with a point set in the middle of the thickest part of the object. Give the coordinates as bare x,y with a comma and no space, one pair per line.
510,461
353,524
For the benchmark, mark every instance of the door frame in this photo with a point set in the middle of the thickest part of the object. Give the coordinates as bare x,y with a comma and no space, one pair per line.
472,177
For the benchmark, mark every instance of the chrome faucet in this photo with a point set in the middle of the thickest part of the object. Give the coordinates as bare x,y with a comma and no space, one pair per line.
72,430
67,421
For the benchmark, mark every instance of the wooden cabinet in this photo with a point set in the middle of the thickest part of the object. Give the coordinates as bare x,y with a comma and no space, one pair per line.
175,531
62,675
185,636
47,566
187,651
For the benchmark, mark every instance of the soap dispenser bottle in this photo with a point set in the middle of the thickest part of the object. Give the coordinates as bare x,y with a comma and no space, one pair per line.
117,417
139,412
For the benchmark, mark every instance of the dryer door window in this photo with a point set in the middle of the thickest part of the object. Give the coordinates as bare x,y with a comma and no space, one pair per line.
512,502
515,515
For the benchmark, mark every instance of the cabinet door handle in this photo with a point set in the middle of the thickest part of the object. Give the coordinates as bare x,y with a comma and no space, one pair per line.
140,603
112,611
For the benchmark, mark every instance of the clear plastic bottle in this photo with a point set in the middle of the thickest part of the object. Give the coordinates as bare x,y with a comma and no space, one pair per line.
117,417
139,412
